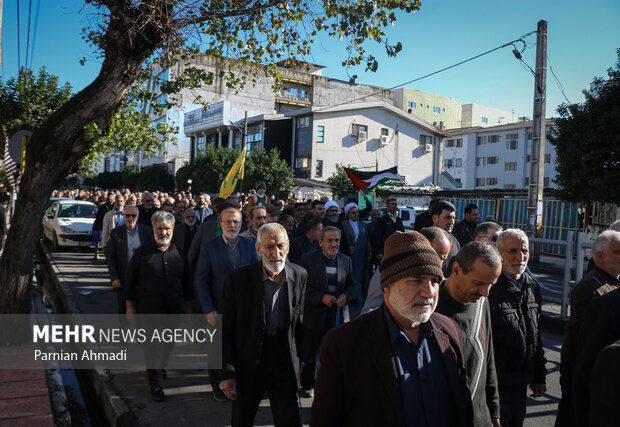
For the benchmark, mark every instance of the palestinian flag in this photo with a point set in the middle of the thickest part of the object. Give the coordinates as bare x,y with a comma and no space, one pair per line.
366,181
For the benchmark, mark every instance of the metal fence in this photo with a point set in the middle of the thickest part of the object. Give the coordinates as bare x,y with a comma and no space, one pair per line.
559,217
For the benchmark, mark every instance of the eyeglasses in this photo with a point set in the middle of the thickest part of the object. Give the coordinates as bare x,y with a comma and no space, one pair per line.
231,222
130,215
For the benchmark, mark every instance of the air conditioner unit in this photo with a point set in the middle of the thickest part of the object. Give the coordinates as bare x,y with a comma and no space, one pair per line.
384,140
428,148
361,135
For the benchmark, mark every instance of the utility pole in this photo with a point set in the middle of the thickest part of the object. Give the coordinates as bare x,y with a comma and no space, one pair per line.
537,165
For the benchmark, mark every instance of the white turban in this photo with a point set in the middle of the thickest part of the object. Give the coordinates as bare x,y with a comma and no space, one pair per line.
348,207
330,204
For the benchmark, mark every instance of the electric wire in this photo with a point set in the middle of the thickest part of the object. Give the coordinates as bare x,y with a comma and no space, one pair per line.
28,32
34,33
560,86
19,57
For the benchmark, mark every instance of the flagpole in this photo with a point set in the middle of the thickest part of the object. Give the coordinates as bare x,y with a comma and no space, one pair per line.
244,138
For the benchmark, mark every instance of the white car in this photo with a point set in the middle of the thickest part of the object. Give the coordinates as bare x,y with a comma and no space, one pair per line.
69,223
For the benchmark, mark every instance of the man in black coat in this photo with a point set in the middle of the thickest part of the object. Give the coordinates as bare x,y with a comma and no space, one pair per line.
307,242
385,226
262,307
424,219
368,366
122,244
444,214
147,208
331,285
516,304
465,230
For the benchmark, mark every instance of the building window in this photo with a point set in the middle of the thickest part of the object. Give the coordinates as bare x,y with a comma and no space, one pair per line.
511,166
528,134
528,158
436,110
479,182
449,143
493,139
293,92
410,104
512,141
426,139
301,162
485,120
491,181
448,163
510,186
303,122
356,129
527,181
319,169
481,140
458,163
481,161
546,182
492,160
547,158
320,134
458,180
385,132
459,142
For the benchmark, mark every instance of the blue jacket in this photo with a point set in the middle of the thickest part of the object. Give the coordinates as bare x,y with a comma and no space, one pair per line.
213,266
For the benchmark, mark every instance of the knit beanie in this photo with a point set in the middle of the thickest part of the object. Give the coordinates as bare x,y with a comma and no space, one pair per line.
408,255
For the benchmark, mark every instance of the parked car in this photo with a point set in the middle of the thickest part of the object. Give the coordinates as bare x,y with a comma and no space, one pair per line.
406,213
69,223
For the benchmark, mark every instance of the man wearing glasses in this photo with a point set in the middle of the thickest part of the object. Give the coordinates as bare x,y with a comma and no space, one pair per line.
121,245
487,232
218,257
147,209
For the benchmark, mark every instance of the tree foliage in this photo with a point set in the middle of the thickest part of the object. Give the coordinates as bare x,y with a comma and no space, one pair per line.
127,33
587,142
268,167
340,183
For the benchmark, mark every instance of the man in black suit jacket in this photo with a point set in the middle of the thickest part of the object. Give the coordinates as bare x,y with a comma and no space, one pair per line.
331,285
121,245
307,242
387,225
368,366
261,308
184,232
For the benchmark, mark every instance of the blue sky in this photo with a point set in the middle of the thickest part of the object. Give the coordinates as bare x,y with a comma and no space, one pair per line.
582,42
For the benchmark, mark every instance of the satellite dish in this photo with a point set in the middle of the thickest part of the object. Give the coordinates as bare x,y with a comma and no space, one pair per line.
15,145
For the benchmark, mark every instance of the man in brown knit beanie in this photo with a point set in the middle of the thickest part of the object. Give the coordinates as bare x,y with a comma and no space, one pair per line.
401,364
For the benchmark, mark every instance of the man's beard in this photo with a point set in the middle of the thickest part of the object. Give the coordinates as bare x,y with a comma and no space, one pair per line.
163,240
515,270
416,315
332,218
191,224
273,269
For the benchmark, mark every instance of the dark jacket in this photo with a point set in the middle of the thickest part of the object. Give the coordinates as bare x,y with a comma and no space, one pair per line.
243,319
515,316
464,232
214,266
384,228
594,284
205,232
183,236
159,282
299,246
101,211
474,323
116,253
604,383
600,328
357,385
423,220
144,217
315,312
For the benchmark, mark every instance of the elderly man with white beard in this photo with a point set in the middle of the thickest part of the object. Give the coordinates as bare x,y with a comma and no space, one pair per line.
261,308
158,282
516,302
399,365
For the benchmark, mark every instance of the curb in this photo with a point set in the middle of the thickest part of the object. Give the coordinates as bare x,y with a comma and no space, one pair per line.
115,411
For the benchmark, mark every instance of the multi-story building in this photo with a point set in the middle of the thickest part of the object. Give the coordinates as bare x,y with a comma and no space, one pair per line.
438,110
494,157
480,115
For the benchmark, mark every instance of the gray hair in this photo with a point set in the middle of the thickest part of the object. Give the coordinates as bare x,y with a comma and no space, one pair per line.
328,228
255,208
187,209
511,232
601,243
472,251
132,207
615,226
272,227
162,217
485,227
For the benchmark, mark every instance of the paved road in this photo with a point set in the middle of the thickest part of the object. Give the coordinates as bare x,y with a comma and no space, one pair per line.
189,398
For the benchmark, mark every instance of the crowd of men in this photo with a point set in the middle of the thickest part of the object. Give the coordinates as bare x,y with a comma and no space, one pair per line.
449,333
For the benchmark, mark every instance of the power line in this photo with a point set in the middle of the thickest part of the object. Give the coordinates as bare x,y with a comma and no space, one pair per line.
28,31
19,57
34,34
560,86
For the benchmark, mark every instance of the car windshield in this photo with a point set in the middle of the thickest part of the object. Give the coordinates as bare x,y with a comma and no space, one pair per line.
76,211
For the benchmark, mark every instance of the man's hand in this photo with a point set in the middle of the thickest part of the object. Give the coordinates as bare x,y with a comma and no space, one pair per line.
328,300
131,311
538,390
495,422
229,387
211,317
116,284
341,301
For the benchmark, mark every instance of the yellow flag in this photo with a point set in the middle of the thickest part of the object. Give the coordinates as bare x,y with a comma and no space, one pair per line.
235,173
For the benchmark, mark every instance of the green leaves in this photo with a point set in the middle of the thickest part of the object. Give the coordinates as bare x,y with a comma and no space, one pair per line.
340,183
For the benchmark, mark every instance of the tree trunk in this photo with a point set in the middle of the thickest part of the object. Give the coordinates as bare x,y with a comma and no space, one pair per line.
56,149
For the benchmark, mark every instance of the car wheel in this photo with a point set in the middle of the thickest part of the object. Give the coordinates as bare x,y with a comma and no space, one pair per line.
55,245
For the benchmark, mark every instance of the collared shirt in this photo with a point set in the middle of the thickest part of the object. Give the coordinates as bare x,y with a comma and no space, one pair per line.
393,217
275,296
232,247
356,228
133,242
233,252
421,377
119,218
517,283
